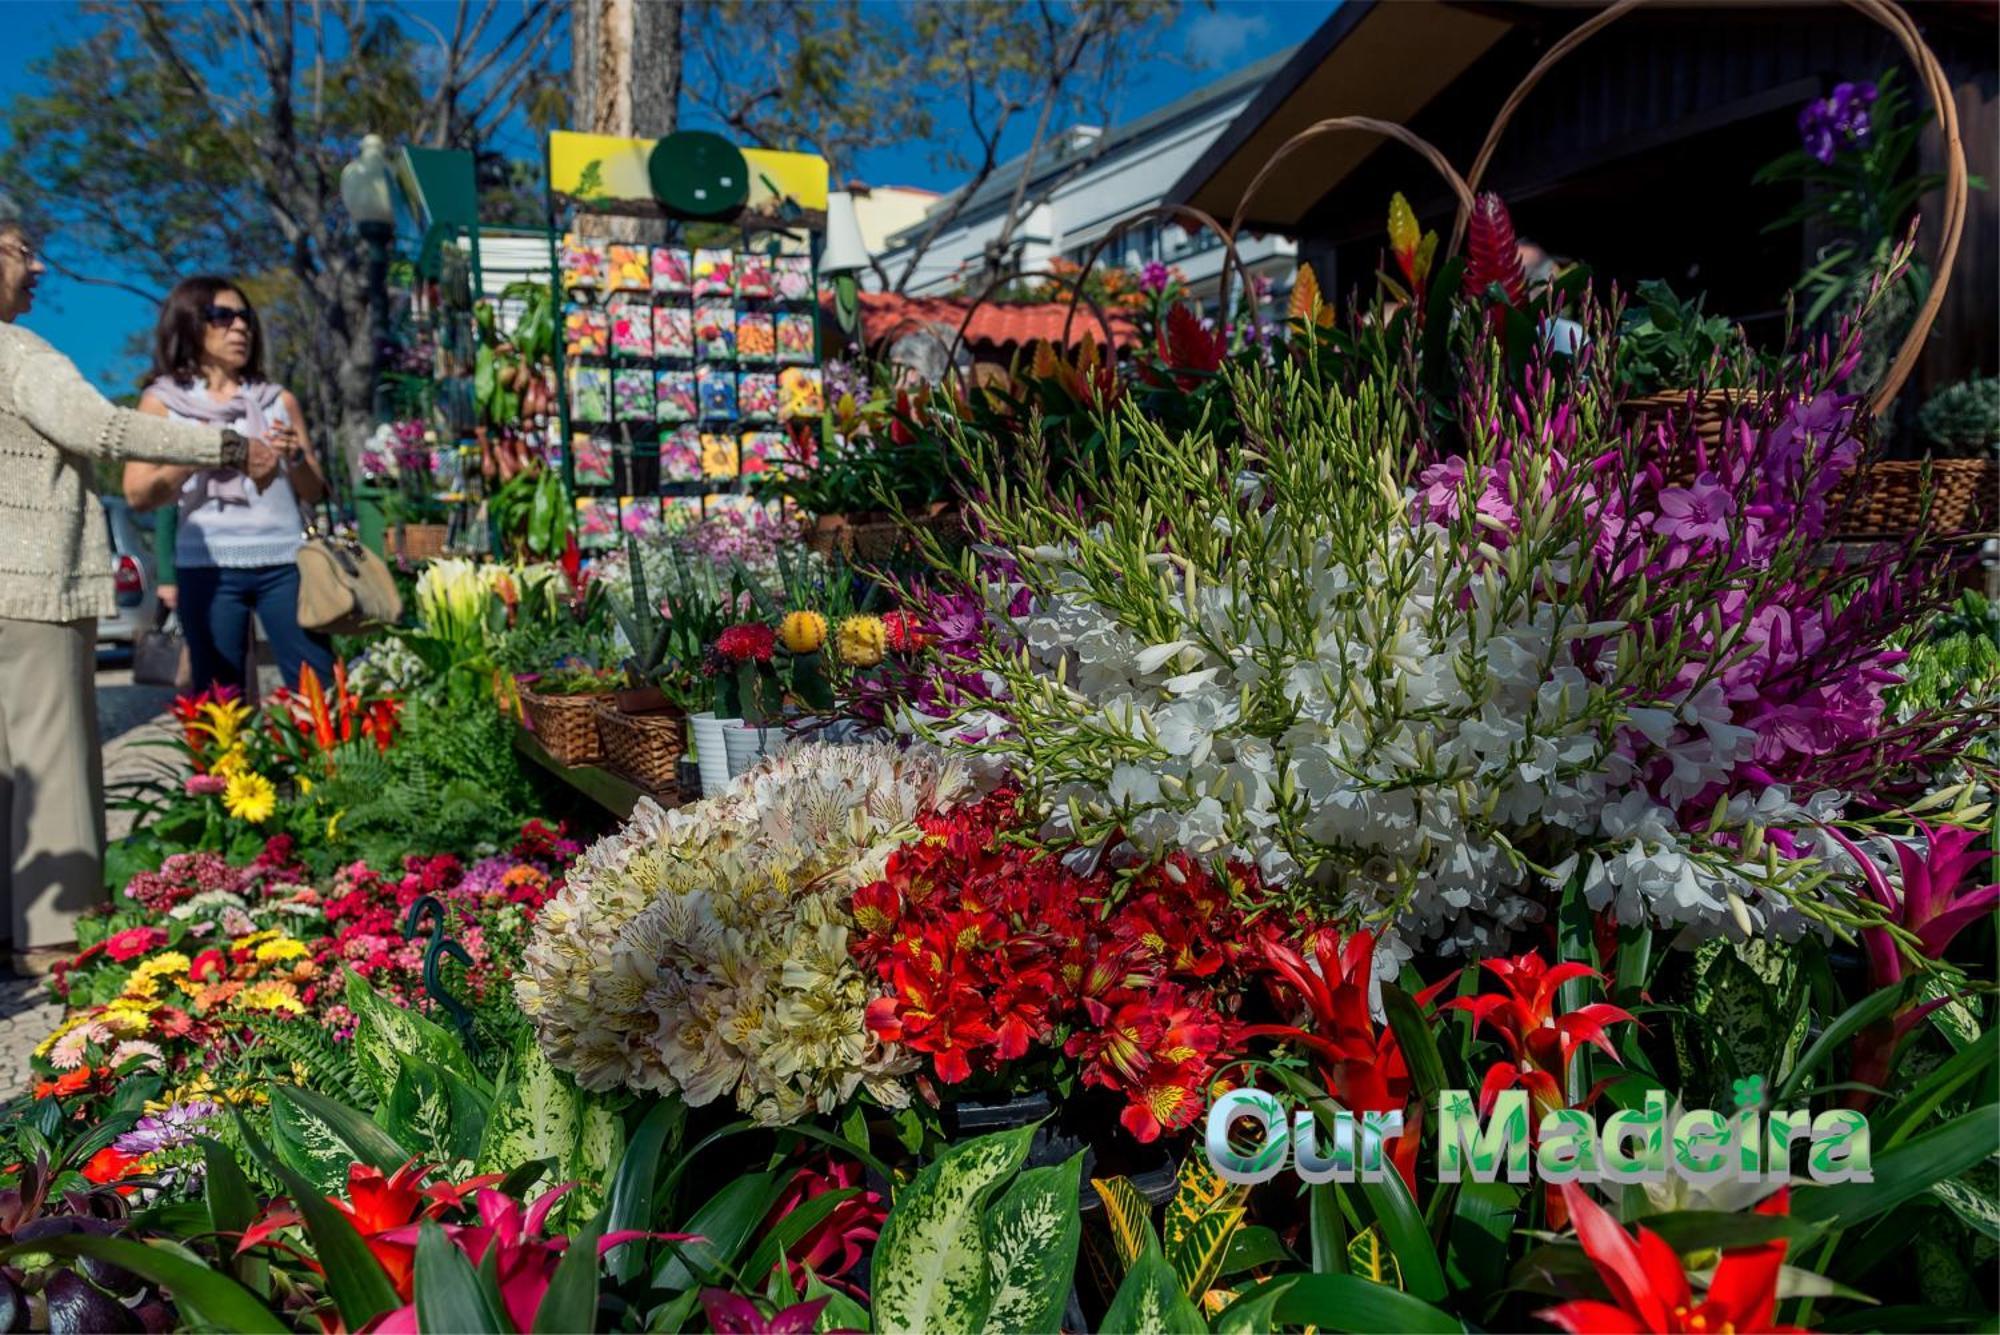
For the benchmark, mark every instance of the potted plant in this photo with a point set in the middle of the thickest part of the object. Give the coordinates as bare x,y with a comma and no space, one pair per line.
561,710
1674,357
644,731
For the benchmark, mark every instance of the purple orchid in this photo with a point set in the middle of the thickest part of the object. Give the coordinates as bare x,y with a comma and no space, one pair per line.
1839,120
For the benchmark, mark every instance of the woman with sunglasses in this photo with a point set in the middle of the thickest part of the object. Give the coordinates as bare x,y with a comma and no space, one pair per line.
235,548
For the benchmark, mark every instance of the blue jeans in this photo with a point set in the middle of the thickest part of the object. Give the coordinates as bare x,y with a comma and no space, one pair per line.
215,607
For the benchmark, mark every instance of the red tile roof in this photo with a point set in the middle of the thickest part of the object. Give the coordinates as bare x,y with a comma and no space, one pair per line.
996,326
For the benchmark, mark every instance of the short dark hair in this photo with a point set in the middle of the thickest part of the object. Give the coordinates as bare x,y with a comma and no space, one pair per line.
178,337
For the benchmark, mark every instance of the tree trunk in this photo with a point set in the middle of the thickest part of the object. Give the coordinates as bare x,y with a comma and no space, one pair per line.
625,79
657,44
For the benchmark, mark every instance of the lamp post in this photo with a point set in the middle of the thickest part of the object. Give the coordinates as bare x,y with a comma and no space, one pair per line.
365,188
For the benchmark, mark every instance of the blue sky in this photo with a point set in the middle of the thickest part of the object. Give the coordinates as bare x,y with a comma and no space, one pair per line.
92,324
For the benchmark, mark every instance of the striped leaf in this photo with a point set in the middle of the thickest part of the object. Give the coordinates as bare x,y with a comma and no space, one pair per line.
1150,1301
383,1029
593,1159
1127,1213
931,1269
534,1117
1198,1190
1368,1258
1031,1238
1196,1257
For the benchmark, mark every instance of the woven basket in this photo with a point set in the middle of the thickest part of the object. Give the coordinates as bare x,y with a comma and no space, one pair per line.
1709,413
565,725
1964,497
877,540
415,542
645,748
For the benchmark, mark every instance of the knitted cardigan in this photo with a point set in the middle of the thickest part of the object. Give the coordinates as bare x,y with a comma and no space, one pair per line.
55,559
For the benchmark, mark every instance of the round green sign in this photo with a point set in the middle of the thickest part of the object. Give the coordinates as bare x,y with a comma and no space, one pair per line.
699,175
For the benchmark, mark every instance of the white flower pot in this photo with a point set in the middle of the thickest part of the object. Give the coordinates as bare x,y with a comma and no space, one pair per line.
747,744
711,752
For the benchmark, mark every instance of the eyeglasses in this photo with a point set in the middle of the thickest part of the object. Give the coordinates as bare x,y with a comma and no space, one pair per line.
221,317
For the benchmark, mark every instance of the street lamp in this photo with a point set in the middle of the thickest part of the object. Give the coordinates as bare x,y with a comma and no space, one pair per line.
365,188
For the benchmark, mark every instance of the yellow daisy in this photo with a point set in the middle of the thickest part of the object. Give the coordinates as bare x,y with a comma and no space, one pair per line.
280,950
250,797
271,997
230,763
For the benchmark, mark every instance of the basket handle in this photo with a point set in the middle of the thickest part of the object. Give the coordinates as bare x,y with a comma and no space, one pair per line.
1929,72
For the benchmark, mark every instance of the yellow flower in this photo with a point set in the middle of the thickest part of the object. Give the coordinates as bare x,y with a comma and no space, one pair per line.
802,632
166,962
271,997
223,721
55,1035
862,639
126,1017
250,797
284,948
141,987
333,826
256,938
230,763
305,785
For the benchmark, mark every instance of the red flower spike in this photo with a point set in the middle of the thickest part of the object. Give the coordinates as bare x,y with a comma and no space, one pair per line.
1492,253
1186,346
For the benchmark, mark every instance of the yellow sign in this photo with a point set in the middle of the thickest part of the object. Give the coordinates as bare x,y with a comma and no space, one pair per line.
604,173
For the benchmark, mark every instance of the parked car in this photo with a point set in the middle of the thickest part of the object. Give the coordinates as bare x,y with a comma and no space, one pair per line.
132,570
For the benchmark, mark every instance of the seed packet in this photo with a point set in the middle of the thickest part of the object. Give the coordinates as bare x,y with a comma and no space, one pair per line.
628,268
756,337
673,331
757,396
591,457
714,273
631,327
632,394
589,394
583,264
761,451
795,336
754,275
680,455
719,503
640,517
718,456
596,523
715,331
681,512
800,393
793,277
670,271
586,332
715,387
674,394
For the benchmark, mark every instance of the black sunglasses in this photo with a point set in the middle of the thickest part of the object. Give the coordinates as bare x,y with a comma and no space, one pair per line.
221,317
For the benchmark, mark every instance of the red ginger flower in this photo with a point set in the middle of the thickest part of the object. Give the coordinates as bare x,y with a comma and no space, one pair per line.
1649,1288
750,641
1492,254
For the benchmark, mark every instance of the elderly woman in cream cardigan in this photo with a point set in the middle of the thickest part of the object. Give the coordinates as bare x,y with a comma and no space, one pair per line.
55,581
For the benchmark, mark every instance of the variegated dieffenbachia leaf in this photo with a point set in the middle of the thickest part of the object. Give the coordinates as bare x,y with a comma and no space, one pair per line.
931,1269
1128,1214
383,1030
1974,1207
535,1116
1032,1233
318,1138
1368,1258
600,1143
418,1110
1150,1301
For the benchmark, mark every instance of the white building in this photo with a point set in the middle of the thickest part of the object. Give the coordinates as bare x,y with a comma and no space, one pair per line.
1085,181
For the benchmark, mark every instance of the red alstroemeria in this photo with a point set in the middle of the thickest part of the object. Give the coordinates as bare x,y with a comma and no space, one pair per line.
1540,1042
1650,1290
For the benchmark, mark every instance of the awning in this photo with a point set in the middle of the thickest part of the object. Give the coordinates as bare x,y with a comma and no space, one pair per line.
997,327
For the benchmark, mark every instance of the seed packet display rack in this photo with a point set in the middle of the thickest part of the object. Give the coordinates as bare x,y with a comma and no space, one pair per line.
686,367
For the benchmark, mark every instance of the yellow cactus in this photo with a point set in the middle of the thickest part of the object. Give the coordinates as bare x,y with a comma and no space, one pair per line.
802,632
862,641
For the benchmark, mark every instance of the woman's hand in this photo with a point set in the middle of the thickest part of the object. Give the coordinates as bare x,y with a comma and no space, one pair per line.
262,464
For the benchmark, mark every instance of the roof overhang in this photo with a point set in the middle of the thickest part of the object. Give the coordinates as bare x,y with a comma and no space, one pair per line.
1380,58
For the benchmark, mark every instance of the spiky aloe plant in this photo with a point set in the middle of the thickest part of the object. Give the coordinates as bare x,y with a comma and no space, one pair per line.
645,629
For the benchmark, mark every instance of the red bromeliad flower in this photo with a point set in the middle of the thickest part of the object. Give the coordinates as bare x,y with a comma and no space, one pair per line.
1649,1288
379,1207
730,1315
834,1246
1492,253
1186,346
750,641
1361,1064
1540,1042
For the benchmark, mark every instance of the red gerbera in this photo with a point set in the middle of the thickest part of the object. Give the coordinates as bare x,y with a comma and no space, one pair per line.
133,942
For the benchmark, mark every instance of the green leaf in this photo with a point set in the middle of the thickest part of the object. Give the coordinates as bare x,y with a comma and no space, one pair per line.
1252,1246
1403,1229
571,1301
1977,1209
721,1227
1344,1302
1902,1172
1368,1259
840,1313
1418,1043
355,1280
536,1116
594,1158
783,1235
383,1029
1329,1230
1481,1231
631,1204
1127,1214
1032,1233
208,1296
319,1139
232,1205
1255,1313
1836,1037
449,1296
930,1269
1928,1094
1150,1301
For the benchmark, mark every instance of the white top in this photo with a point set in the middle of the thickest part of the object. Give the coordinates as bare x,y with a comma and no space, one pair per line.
262,529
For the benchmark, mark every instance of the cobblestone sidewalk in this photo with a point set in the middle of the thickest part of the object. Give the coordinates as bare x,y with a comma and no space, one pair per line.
26,1016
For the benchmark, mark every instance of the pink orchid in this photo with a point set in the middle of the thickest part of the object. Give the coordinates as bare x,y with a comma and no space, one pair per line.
731,1315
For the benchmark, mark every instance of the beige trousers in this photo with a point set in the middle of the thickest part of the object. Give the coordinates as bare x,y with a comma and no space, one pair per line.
51,779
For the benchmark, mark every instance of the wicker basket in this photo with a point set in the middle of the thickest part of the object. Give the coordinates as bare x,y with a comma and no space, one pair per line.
1709,412
877,539
415,542
645,748
565,725
1964,497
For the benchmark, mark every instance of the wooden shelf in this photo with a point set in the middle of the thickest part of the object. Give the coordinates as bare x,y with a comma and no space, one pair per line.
610,790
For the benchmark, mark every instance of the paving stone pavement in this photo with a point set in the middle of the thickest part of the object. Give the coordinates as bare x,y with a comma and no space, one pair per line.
27,1014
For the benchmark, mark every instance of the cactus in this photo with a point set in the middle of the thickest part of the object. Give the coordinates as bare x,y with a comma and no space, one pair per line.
645,629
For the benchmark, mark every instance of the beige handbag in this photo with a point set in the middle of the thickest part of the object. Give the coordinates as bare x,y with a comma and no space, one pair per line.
344,589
